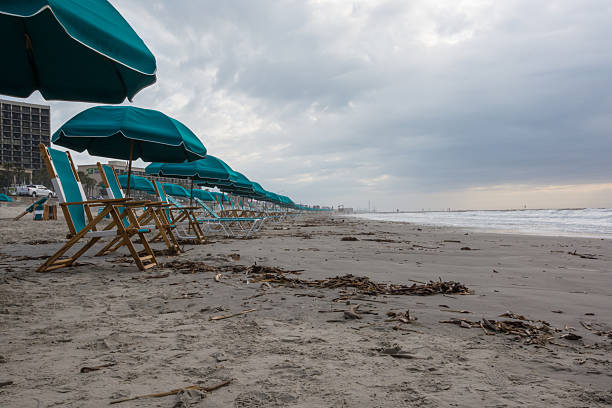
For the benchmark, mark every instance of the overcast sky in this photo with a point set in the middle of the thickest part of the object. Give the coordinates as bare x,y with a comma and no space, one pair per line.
409,104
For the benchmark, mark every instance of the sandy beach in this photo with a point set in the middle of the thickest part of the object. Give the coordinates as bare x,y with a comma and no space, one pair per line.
103,331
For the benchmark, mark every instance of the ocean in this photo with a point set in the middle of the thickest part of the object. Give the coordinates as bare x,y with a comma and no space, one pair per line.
586,222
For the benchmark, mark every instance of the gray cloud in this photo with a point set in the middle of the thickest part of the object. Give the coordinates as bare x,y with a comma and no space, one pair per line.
339,101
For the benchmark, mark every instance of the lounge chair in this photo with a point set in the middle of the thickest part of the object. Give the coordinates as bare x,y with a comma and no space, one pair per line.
230,225
31,208
79,217
153,216
180,216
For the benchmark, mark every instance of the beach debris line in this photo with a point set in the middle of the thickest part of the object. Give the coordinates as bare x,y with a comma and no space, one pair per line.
362,284
176,391
349,239
188,267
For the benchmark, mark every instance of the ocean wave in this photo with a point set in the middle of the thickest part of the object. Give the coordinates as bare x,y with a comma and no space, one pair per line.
584,222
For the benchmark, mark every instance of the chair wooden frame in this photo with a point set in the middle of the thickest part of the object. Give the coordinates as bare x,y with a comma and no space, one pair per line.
152,217
247,225
180,216
90,230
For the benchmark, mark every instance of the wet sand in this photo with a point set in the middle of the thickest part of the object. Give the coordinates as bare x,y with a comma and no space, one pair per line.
154,330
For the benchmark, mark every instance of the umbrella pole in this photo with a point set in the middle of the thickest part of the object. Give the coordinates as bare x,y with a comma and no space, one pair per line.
130,168
191,193
190,198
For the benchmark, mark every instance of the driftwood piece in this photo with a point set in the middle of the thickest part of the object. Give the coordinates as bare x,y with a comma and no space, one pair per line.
583,256
232,315
405,317
352,314
163,275
455,311
175,391
95,368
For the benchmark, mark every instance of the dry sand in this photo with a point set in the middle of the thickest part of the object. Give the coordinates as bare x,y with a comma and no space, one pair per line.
157,334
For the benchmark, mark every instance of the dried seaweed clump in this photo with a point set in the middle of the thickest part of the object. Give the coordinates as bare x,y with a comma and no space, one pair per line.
362,284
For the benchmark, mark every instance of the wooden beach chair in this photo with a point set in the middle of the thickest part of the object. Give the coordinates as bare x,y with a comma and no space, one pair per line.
31,208
180,216
153,216
82,224
230,225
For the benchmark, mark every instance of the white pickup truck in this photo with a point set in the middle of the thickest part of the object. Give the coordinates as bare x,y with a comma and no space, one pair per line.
35,190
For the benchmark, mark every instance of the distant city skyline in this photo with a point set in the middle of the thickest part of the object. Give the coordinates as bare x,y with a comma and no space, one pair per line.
460,104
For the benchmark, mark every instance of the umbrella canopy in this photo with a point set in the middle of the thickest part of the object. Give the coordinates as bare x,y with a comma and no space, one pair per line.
4,197
272,197
137,183
260,192
206,169
203,195
75,50
129,133
175,190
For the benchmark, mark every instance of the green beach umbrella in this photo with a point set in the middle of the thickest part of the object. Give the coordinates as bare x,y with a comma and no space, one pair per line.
202,194
130,133
137,183
175,190
260,192
207,169
74,50
4,197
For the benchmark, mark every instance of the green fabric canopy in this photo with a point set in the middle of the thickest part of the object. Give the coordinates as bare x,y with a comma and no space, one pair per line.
202,194
137,183
75,50
175,190
208,169
107,131
4,197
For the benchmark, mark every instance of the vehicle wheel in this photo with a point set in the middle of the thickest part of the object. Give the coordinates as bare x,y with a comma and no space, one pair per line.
34,194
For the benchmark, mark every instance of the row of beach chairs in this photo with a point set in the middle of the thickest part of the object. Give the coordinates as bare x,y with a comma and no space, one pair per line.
133,222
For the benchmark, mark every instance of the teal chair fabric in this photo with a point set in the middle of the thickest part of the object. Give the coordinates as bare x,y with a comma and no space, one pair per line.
38,202
71,190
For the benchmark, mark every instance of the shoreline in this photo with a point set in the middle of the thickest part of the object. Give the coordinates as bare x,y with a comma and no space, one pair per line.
294,349
485,230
